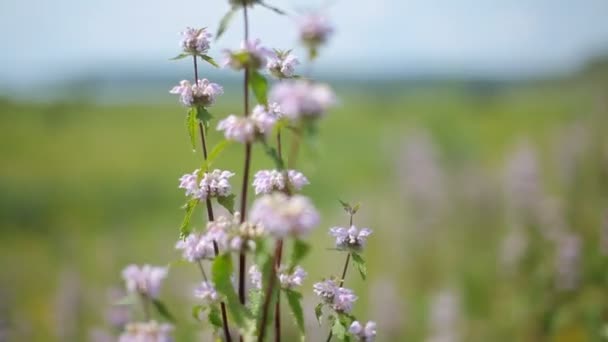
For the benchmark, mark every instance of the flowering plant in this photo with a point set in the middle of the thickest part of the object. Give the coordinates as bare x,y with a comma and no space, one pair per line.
290,108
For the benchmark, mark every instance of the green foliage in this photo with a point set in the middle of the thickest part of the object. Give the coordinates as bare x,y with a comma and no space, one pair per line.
215,317
209,60
338,330
216,151
180,56
359,264
294,299
274,156
351,210
222,271
162,310
191,124
259,85
203,115
197,310
227,202
272,8
319,312
299,251
224,22
189,207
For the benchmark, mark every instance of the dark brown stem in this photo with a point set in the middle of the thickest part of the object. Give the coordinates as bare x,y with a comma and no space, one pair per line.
277,307
210,216
245,186
269,290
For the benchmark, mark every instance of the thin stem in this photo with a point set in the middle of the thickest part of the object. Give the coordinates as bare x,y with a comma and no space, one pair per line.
210,216
245,186
277,305
145,303
268,293
344,270
200,266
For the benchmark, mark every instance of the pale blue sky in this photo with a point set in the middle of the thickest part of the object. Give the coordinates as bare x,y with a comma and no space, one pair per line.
50,39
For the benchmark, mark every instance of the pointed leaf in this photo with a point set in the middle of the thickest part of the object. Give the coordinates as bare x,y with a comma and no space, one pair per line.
338,329
274,155
294,299
191,126
210,60
180,56
163,311
224,23
255,300
184,230
300,250
215,317
259,85
272,8
203,115
196,311
360,264
319,312
222,271
227,202
215,152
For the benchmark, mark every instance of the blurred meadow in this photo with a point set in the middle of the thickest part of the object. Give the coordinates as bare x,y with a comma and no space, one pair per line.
479,157
488,203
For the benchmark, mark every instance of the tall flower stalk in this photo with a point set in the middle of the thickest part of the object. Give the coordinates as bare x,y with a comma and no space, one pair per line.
279,215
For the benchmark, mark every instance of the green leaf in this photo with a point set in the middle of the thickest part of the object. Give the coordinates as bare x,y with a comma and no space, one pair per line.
215,317
203,115
191,126
227,202
215,152
259,85
294,299
184,230
300,250
272,8
209,60
360,264
255,300
319,312
338,329
196,311
351,210
163,311
224,23
222,271
274,155
180,56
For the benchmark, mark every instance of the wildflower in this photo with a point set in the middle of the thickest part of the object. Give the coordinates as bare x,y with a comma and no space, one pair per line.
251,55
265,118
302,99
212,184
203,93
195,41
567,261
232,235
146,332
241,129
267,181
339,298
146,280
315,29
347,238
364,334
282,64
326,289
206,291
295,279
255,276
196,246
344,300
281,215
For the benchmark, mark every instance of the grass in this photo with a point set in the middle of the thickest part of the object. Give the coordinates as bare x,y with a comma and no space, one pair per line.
86,189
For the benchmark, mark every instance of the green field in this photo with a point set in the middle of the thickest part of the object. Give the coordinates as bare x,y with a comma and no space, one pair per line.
86,189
